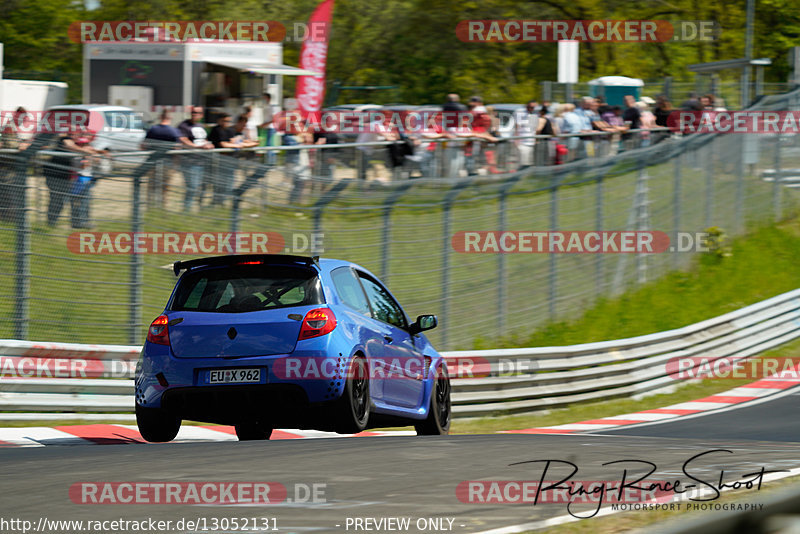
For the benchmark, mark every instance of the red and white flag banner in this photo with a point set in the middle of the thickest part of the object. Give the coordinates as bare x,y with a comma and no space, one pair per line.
310,90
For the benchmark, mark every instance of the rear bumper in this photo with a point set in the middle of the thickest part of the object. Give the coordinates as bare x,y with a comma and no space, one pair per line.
277,403
187,388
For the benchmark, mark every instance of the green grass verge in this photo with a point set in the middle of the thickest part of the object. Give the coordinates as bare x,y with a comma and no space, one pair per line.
761,265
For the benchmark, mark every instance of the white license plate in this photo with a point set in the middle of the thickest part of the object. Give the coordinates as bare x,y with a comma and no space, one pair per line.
234,376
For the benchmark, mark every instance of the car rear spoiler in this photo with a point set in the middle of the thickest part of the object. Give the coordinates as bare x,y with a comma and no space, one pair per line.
233,259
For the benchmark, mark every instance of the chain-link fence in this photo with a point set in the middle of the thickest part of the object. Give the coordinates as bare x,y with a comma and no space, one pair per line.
402,229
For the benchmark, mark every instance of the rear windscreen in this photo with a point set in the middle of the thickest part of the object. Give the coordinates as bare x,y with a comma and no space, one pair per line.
247,288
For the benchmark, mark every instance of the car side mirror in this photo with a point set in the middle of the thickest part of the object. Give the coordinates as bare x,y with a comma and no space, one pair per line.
423,322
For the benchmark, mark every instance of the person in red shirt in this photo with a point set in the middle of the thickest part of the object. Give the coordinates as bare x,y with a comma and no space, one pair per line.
481,123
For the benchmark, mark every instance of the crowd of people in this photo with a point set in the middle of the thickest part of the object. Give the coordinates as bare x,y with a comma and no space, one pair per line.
480,141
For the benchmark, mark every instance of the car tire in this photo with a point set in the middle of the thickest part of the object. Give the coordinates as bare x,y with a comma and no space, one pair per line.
351,411
157,425
439,412
252,431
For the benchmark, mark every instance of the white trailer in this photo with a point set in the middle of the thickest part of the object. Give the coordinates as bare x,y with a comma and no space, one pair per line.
32,95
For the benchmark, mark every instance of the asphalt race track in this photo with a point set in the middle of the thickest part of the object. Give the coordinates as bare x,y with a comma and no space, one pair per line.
776,420
402,477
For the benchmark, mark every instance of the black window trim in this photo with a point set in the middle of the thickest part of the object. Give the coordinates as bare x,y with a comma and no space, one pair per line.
359,275
320,287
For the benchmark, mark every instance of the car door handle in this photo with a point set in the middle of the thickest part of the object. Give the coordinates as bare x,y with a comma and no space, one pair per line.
388,339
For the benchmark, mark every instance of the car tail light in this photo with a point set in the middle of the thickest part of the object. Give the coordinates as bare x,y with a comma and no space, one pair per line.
317,322
159,331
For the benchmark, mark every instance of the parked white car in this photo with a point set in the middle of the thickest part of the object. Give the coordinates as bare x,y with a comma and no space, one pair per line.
115,128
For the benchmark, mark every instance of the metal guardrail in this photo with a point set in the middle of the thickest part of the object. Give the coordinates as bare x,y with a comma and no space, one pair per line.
519,380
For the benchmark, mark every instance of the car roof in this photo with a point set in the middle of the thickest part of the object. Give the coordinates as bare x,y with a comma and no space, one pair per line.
329,264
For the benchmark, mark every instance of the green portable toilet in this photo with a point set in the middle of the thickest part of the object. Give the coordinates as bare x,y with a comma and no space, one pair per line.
614,88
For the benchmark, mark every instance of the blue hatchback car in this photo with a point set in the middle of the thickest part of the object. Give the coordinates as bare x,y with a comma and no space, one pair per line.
271,341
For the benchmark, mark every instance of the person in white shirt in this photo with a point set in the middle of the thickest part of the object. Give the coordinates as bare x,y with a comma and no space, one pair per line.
375,132
526,122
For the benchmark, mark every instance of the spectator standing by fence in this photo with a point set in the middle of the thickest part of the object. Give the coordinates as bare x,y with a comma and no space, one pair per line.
632,118
648,122
375,131
452,111
571,123
80,193
223,135
62,171
526,122
193,135
663,107
160,137
547,127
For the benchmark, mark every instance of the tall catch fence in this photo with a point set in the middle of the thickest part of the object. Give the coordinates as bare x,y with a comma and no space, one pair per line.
398,226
